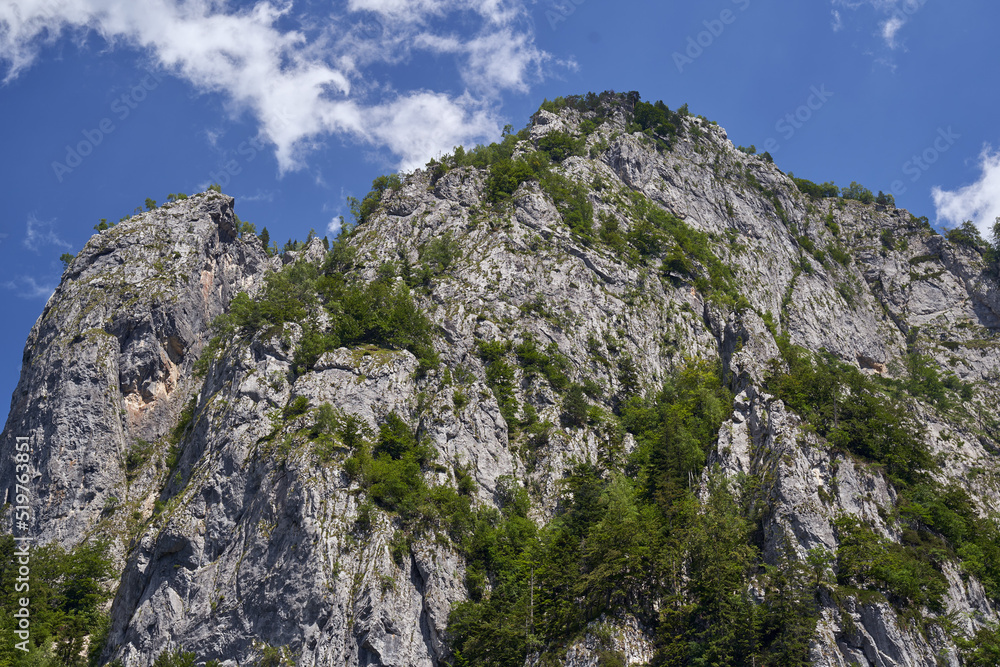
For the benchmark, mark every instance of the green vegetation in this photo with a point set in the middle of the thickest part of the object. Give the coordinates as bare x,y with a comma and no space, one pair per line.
66,599
560,145
391,472
500,378
853,413
622,538
366,208
686,253
815,191
908,575
656,120
176,658
870,419
380,313
967,235
983,649
136,457
857,192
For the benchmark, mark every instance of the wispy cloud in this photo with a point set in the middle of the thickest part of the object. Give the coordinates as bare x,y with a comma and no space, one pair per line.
26,287
260,195
38,233
979,201
893,15
307,82
889,30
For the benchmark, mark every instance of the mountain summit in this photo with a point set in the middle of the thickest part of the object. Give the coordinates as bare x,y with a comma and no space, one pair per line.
610,392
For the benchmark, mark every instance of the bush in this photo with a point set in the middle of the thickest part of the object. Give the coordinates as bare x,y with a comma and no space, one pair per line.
366,208
857,192
815,191
505,177
176,658
560,145
967,235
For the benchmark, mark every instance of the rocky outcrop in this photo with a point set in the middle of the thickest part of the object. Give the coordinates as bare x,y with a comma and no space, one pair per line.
109,363
261,538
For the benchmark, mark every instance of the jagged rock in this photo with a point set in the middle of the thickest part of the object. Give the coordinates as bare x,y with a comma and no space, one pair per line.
109,362
261,538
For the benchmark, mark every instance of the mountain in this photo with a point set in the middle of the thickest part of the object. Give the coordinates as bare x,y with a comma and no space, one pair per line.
610,392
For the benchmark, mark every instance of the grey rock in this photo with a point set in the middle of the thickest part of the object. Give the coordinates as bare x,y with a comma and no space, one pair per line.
263,540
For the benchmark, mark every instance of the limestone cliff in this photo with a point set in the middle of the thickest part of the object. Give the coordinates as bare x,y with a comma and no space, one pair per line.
236,532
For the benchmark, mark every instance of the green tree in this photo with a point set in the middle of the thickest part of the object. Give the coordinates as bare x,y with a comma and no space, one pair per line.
967,235
265,240
858,192
574,407
176,658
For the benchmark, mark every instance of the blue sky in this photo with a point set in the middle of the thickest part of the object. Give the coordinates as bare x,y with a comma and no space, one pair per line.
293,106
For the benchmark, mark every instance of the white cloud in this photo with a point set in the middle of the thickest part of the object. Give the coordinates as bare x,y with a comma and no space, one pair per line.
979,201
897,11
313,81
335,225
889,30
39,233
28,288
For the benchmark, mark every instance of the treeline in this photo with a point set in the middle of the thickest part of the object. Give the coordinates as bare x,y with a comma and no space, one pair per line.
871,419
854,191
635,537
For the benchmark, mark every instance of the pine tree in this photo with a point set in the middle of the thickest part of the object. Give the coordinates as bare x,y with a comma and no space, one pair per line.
265,239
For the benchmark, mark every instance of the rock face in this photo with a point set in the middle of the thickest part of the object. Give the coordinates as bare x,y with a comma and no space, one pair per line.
109,362
254,539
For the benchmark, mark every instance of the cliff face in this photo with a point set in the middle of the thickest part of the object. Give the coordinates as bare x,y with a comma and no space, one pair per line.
109,362
263,538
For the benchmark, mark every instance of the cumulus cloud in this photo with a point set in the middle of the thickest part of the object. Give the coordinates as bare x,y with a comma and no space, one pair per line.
38,233
979,201
306,78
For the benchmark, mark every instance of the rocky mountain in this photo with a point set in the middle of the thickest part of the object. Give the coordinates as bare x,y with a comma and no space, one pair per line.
610,392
